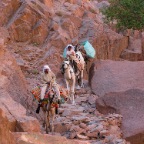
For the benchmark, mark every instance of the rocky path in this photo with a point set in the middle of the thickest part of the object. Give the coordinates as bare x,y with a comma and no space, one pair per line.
82,121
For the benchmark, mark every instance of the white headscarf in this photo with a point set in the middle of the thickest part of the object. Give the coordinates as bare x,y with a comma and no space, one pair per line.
70,45
46,67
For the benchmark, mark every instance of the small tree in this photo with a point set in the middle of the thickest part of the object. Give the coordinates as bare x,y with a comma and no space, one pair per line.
128,14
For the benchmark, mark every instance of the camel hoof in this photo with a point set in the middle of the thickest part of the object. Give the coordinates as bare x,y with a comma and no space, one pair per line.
73,103
43,125
47,131
82,86
78,87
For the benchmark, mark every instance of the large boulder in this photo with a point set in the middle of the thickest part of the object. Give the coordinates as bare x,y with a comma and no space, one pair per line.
12,79
36,138
6,136
116,76
13,119
16,115
130,105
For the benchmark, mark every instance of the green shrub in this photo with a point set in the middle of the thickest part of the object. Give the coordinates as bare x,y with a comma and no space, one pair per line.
128,14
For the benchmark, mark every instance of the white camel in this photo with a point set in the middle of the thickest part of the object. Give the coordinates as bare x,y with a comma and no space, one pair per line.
70,79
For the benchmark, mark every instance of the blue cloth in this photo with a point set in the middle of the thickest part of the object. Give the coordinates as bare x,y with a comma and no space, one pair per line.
90,51
64,52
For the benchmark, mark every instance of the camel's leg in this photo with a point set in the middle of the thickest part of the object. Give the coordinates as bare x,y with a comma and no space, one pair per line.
73,99
72,91
47,119
67,84
78,80
81,78
53,117
47,122
44,119
73,84
68,88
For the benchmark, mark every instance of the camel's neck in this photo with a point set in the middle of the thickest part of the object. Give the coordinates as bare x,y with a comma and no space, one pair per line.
68,72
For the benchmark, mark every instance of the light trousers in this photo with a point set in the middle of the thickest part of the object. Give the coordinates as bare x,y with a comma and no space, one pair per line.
55,87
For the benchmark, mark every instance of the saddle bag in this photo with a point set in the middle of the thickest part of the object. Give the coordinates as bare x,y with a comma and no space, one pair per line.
90,51
36,92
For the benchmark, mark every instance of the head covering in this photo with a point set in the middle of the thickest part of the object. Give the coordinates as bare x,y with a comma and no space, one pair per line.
46,67
67,62
70,46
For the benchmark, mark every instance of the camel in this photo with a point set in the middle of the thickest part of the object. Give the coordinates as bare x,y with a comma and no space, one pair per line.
80,73
78,64
70,79
49,107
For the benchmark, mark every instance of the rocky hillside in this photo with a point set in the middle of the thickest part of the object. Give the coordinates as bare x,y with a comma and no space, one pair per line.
34,33
40,30
81,123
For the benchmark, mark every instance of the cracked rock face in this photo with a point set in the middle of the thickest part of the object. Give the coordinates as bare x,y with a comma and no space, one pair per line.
51,25
34,33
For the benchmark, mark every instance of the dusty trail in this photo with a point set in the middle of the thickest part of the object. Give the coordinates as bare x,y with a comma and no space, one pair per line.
82,121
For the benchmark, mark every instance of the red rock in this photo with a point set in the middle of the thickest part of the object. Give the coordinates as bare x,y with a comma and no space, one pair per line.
91,127
71,1
16,114
6,136
27,124
12,78
71,112
115,76
36,30
83,125
91,99
105,132
134,50
129,105
97,129
92,134
37,138
7,9
72,134
82,137
61,127
77,129
48,3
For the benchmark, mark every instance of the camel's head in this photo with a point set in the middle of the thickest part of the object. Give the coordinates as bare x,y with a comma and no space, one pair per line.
52,96
66,64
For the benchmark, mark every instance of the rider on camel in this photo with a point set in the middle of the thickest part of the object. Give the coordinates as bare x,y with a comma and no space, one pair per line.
49,80
71,54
